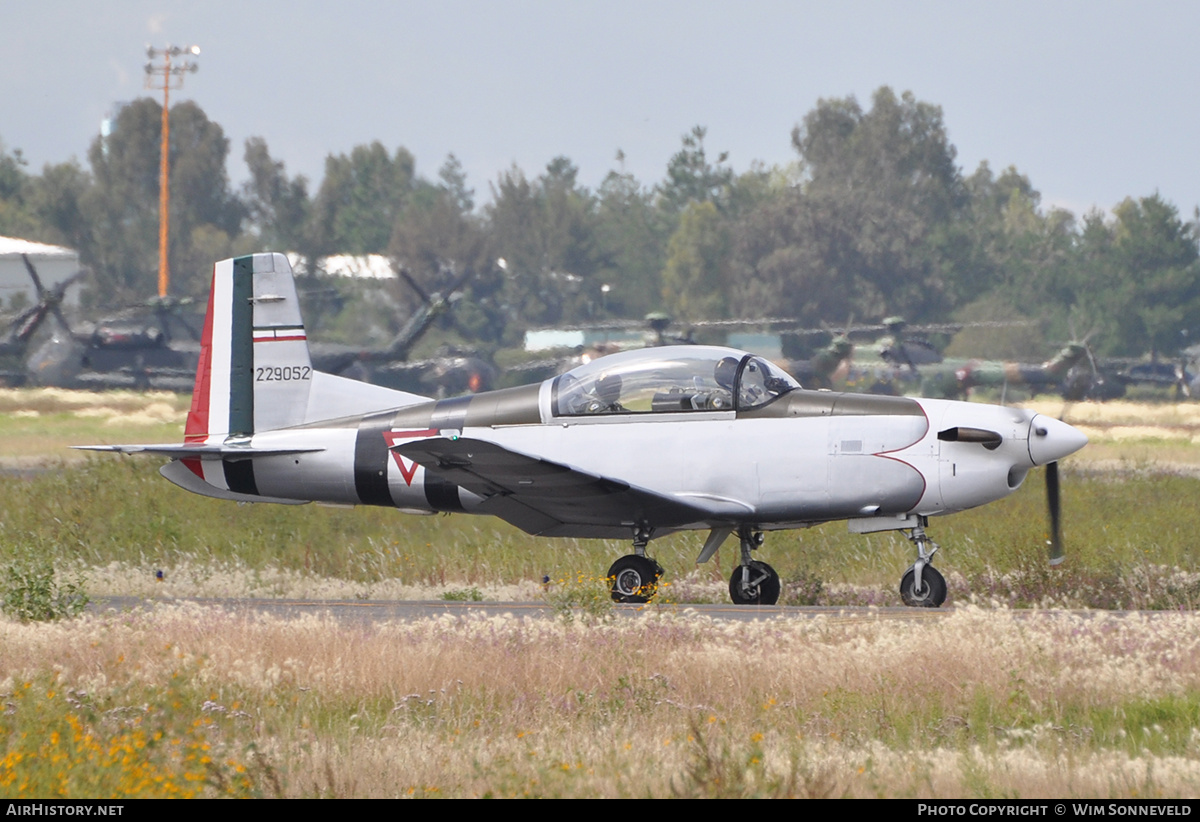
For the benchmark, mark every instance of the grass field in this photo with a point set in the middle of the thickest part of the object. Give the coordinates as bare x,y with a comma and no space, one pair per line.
987,703
991,700
113,519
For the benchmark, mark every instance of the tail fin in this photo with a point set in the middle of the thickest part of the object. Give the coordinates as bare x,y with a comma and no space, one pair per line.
255,373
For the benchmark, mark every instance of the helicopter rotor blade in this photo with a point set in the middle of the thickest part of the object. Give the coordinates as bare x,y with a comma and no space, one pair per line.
404,275
37,281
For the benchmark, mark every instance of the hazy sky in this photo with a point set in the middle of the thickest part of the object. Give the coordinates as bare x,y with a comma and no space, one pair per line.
1094,101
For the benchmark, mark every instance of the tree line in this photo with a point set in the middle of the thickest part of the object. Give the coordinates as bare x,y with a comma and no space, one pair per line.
872,217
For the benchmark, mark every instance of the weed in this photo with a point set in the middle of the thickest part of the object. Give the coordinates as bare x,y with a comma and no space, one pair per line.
471,594
31,593
588,598
66,744
804,587
721,770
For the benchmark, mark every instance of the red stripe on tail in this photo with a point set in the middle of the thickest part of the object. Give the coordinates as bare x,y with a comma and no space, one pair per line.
197,419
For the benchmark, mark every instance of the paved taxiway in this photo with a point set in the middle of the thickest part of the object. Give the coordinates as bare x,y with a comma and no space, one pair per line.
374,612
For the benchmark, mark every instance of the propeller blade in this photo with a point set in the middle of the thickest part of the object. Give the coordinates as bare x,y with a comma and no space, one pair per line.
1054,504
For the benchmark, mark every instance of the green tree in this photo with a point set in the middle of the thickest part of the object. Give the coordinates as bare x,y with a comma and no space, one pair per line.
360,199
56,198
545,230
15,218
121,208
436,241
692,177
1010,256
454,182
631,237
696,275
887,178
277,207
1139,277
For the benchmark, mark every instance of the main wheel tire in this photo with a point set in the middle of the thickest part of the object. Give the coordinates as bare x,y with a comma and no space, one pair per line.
763,592
933,588
634,578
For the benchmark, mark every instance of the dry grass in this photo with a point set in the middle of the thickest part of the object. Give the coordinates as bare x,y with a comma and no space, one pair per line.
61,400
977,703
38,425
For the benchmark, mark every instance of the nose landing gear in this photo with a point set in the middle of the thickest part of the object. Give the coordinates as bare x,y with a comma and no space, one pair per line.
922,586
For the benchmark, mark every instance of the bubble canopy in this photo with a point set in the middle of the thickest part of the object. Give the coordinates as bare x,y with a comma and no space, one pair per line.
670,379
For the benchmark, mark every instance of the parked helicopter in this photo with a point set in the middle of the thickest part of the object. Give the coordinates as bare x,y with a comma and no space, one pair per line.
636,445
14,347
451,372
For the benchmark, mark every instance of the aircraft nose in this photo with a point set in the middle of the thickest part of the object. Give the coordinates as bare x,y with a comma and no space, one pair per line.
1050,440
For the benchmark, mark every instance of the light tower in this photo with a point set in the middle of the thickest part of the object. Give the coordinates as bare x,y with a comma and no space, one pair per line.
166,77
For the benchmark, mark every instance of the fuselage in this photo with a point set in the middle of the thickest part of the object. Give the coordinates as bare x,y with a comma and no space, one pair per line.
806,457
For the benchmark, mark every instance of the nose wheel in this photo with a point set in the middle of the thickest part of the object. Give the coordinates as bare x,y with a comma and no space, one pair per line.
929,593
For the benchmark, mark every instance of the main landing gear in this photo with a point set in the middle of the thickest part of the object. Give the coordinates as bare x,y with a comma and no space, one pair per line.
922,586
634,577
753,582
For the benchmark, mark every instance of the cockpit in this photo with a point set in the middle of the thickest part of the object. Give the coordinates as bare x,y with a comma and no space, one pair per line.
669,380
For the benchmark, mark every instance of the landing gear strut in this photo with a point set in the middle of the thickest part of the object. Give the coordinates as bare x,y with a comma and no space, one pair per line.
634,577
922,586
753,582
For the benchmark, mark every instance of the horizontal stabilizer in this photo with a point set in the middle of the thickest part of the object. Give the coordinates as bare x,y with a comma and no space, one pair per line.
199,449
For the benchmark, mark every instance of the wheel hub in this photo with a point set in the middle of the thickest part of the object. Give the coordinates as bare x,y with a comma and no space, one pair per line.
629,582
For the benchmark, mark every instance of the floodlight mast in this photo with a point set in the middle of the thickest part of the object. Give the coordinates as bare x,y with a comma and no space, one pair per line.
165,78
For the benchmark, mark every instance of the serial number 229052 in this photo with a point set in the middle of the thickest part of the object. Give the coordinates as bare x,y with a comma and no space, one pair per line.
282,373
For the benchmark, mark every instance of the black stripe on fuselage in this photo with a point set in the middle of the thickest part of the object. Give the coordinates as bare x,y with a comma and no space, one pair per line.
451,414
239,476
371,460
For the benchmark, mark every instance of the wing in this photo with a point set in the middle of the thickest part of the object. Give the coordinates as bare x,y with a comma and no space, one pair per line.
543,497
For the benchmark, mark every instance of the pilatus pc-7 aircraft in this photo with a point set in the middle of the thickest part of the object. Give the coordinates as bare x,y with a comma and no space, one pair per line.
634,445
